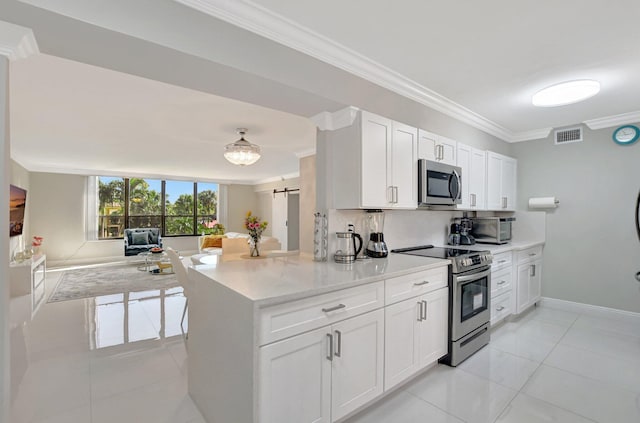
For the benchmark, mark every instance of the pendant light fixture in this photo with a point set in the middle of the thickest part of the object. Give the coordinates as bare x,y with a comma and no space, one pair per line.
242,152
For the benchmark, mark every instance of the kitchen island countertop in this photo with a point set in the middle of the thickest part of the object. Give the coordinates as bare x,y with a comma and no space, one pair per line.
272,280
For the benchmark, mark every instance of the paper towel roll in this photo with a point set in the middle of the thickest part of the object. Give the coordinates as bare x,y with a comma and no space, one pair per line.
543,203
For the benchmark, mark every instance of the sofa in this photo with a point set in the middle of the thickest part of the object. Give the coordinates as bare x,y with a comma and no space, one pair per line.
140,240
266,242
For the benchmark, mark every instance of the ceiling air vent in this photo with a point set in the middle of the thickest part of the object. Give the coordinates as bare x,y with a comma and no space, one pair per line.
568,135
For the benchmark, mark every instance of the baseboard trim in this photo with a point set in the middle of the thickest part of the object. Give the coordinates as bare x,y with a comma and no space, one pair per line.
588,309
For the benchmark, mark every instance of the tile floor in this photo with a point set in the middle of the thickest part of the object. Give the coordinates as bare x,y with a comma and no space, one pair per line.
122,359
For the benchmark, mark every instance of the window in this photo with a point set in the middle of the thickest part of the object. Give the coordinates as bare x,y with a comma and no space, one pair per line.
177,207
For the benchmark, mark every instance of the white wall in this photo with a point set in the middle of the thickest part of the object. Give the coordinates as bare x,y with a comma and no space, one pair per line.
240,200
592,251
307,202
5,154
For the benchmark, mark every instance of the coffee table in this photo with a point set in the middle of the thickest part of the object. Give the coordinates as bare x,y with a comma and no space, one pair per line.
152,258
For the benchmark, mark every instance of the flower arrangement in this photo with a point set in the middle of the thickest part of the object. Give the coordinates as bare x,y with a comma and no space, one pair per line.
36,243
255,228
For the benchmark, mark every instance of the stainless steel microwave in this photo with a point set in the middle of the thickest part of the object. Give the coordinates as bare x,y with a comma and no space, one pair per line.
492,230
439,183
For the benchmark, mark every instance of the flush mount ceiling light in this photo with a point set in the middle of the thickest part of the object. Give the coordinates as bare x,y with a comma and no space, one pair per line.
242,152
566,93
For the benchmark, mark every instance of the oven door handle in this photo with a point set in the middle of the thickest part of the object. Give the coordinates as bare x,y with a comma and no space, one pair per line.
472,277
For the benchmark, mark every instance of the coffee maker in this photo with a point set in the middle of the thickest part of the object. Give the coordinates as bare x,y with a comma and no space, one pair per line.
376,247
463,227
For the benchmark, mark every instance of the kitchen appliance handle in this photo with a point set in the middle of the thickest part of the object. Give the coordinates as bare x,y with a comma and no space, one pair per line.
359,238
472,277
454,195
638,216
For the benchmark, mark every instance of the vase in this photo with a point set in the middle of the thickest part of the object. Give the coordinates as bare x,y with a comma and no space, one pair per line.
253,247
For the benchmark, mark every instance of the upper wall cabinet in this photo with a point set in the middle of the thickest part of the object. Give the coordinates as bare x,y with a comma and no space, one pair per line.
501,182
474,177
436,148
374,164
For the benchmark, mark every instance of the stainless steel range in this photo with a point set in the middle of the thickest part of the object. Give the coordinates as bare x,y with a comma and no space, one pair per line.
469,298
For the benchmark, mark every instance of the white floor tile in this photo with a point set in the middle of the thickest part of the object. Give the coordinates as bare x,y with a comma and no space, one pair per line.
625,348
526,409
163,402
622,325
522,345
587,397
402,407
466,396
53,386
552,315
500,367
596,366
127,370
78,415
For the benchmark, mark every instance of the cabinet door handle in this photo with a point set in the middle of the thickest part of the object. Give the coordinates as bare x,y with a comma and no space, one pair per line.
499,308
424,316
532,254
533,270
334,308
394,194
501,261
419,311
421,283
473,200
390,194
504,202
338,351
330,345
502,282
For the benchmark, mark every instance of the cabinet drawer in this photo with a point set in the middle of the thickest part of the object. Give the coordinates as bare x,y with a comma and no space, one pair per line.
284,320
501,282
500,307
501,261
414,284
530,254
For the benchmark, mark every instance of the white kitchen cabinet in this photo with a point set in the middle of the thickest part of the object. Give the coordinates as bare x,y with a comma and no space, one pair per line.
322,375
374,164
415,335
501,182
295,380
473,163
529,278
501,287
436,147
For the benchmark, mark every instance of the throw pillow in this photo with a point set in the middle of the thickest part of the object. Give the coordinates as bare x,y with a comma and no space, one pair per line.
212,241
153,237
140,238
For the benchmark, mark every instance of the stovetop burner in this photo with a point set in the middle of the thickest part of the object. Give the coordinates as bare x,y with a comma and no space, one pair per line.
462,259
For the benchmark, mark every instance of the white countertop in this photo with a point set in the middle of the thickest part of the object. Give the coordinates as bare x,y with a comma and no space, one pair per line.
268,281
497,249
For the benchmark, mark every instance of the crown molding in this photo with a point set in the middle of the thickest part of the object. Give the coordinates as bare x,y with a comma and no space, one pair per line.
609,121
306,153
259,20
535,134
17,42
327,121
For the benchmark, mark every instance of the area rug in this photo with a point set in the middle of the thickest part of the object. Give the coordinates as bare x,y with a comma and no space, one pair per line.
93,282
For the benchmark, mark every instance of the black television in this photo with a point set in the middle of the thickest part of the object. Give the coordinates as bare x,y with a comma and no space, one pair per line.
17,202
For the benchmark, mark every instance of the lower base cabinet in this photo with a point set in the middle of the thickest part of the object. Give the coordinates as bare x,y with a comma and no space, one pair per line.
529,285
415,335
322,375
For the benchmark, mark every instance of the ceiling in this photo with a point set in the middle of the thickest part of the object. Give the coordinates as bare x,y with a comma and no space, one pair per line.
72,117
479,62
